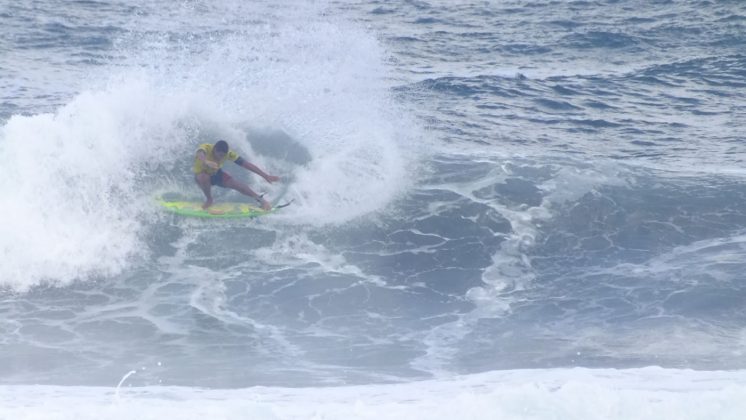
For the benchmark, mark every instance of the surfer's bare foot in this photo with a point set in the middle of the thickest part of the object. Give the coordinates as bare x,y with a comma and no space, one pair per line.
266,206
207,204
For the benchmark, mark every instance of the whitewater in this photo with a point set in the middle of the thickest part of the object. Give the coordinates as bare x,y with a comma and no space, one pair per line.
501,210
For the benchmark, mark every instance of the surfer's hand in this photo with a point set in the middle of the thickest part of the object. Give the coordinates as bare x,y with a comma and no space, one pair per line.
211,164
272,178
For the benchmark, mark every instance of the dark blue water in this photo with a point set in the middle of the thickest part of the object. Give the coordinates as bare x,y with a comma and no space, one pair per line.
478,186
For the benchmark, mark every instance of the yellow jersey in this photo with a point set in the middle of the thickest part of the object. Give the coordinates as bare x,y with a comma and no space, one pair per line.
199,167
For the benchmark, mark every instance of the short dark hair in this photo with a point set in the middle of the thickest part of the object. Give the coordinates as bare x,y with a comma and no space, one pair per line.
221,146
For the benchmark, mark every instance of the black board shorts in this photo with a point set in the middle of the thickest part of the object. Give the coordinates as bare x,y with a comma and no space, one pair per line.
219,178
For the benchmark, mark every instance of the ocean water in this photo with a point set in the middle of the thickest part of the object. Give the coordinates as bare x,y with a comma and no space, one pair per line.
504,209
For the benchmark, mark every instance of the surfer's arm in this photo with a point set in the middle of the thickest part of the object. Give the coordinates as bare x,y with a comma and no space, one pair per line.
202,157
253,168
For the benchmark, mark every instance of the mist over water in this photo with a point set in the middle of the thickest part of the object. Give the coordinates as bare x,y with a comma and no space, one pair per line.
478,190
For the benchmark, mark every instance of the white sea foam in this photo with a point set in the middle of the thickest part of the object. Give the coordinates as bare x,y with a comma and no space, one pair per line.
72,192
568,394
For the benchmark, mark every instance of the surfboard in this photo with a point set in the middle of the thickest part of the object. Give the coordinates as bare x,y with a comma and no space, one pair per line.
220,210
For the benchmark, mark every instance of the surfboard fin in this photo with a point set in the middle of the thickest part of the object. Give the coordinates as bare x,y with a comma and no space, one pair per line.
279,206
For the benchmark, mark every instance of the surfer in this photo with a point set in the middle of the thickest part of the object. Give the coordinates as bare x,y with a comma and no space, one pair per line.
207,172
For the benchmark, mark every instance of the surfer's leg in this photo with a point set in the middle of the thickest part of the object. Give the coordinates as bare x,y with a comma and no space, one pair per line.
203,180
244,189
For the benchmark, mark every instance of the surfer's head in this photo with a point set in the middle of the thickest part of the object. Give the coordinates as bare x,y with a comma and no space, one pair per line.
221,146
220,149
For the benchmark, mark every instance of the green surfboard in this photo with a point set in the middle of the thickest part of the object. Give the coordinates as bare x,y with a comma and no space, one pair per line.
219,210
